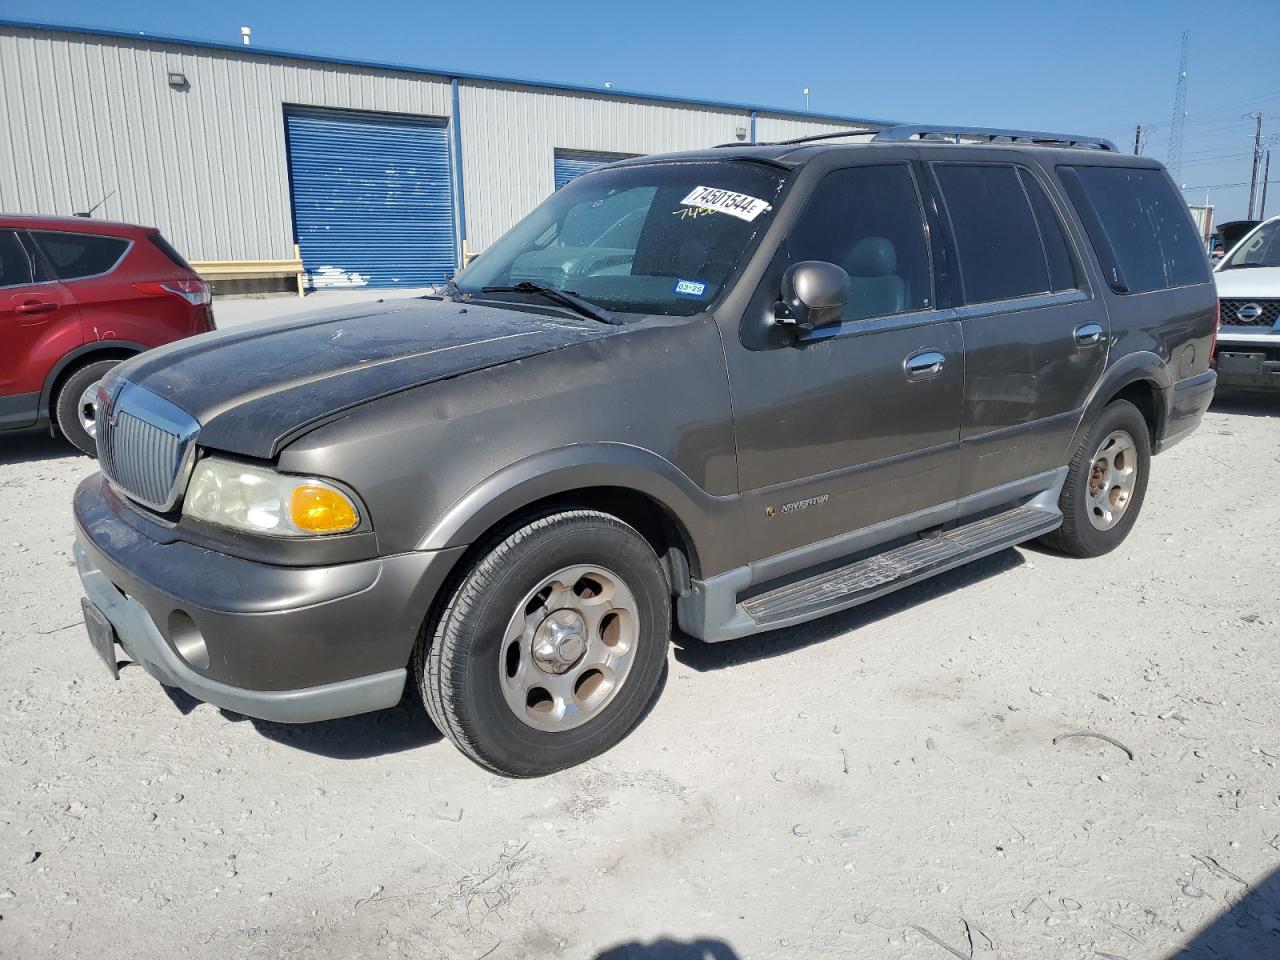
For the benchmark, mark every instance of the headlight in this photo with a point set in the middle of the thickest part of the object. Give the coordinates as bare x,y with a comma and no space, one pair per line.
262,501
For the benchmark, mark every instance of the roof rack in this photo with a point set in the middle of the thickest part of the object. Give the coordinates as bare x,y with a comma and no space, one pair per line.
811,137
917,131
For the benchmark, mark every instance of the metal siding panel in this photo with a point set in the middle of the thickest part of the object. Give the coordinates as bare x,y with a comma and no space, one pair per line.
510,133
372,198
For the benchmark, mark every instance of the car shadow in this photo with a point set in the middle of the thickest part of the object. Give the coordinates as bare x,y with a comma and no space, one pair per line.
33,447
1245,404
704,948
777,643
405,726
1248,930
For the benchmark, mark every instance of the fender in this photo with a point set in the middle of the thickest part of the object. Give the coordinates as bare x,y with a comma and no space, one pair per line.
1131,368
84,350
704,518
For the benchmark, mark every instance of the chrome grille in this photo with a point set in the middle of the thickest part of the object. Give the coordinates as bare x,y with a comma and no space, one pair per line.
1257,313
146,445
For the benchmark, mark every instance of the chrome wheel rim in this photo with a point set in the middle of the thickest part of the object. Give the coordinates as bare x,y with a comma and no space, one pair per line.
88,410
1113,475
569,647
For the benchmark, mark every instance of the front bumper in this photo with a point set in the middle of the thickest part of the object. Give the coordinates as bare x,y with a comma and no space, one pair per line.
1248,359
289,644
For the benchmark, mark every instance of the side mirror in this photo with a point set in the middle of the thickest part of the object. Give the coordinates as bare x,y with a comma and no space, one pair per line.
814,295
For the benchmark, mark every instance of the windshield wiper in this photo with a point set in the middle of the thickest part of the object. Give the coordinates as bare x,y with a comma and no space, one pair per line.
566,298
1246,266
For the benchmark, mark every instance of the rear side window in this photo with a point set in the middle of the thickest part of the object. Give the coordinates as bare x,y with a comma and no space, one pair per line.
73,255
869,221
998,240
1062,267
15,265
167,248
1139,226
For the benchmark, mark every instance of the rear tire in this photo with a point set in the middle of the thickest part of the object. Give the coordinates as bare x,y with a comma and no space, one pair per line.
70,411
550,647
1106,483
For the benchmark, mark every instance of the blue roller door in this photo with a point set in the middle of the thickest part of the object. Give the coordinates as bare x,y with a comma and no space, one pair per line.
574,163
372,198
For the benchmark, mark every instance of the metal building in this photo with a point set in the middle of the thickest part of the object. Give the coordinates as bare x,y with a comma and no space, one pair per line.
380,174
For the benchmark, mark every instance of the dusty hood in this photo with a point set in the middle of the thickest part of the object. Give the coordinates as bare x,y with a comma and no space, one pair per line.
254,388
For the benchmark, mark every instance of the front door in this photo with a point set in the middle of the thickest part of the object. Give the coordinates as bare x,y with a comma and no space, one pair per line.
37,328
1035,339
859,423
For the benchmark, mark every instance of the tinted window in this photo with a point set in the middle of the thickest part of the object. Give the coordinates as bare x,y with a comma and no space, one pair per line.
1001,254
1139,226
868,220
75,255
1062,271
15,267
165,247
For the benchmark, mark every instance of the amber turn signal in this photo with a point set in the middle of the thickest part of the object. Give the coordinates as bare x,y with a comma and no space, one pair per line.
317,509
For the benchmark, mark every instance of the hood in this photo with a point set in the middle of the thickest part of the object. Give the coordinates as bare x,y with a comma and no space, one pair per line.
254,388
1248,282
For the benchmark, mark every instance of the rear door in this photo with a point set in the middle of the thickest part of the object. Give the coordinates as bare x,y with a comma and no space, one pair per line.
1035,336
85,264
38,326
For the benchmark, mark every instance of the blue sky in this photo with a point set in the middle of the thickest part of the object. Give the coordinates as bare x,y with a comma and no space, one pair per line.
1086,67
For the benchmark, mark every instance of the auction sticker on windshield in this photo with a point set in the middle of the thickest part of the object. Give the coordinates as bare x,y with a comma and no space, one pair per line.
738,205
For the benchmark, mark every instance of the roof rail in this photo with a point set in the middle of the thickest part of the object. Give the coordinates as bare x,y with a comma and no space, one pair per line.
811,137
920,131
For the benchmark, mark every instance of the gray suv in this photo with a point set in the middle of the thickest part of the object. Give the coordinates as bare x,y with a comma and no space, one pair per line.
732,389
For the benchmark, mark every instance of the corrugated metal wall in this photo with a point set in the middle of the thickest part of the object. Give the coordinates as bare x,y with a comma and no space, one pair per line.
81,116
510,135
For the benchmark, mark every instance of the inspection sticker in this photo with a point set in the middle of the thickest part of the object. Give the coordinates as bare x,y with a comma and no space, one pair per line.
726,201
690,288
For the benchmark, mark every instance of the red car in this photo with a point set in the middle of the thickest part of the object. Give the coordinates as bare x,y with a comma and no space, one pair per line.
77,296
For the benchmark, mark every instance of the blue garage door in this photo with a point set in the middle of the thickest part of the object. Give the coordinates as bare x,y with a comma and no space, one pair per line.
574,163
372,198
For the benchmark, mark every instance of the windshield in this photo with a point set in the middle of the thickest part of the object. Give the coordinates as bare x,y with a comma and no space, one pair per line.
652,238
1262,249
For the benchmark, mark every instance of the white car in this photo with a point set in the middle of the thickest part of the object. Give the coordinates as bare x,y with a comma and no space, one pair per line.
1248,280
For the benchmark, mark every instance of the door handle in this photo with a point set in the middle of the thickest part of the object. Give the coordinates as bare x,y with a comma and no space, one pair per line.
35,306
924,365
1087,334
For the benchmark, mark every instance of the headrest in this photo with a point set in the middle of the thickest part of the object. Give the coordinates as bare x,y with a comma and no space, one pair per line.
872,257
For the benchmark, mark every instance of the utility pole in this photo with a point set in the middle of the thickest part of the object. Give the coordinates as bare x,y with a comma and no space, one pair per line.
1257,160
1137,140
1179,111
1266,174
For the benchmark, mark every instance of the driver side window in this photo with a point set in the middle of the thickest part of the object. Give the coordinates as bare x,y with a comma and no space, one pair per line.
869,221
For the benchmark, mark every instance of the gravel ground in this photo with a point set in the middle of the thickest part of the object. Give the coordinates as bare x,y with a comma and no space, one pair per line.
881,784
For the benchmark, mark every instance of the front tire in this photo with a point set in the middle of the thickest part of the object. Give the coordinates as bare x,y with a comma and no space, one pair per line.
550,647
73,409
1106,483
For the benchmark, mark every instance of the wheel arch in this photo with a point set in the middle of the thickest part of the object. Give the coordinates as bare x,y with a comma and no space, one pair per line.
1144,380
77,358
639,487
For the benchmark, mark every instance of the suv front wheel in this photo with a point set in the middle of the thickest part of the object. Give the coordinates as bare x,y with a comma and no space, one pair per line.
551,646
1106,483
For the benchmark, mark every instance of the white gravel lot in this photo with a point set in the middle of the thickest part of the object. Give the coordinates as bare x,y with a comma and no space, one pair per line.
880,784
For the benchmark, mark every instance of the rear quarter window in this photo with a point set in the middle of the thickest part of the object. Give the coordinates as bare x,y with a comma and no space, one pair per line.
168,249
75,255
1139,227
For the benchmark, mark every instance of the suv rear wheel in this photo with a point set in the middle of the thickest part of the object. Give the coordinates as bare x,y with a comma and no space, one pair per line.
552,645
74,407
1106,483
